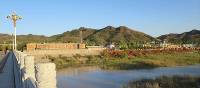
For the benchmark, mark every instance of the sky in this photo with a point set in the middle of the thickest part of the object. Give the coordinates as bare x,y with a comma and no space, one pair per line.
50,17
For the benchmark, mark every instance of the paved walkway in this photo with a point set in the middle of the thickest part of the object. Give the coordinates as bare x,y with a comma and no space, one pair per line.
7,77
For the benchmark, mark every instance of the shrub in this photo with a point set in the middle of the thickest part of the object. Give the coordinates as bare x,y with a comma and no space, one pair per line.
166,82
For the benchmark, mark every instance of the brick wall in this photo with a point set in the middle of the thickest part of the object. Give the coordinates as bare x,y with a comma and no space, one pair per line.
54,46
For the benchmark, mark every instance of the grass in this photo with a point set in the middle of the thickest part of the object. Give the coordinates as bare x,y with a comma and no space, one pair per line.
126,63
166,82
156,60
76,60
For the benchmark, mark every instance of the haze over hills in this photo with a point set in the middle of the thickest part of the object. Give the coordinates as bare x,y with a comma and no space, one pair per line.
192,36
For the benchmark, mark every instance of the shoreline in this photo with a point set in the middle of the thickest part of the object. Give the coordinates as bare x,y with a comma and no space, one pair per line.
175,81
139,62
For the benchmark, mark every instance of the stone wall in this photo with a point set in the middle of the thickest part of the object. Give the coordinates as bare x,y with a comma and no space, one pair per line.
67,52
54,46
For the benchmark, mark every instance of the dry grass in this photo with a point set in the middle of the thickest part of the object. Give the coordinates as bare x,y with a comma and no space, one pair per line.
152,61
139,62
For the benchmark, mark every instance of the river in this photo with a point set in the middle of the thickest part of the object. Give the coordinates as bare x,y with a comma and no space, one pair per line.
94,77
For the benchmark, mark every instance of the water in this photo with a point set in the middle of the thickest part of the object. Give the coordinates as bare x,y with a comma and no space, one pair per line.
94,77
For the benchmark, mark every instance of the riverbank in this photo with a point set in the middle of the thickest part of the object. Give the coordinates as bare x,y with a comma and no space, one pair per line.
154,60
123,62
166,82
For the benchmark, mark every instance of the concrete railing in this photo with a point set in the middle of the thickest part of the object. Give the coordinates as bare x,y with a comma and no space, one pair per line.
31,75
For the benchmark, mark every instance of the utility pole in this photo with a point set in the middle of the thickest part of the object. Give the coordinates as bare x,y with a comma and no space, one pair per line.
14,17
81,34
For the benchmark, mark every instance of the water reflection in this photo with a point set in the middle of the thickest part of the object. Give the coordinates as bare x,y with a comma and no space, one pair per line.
94,77
73,71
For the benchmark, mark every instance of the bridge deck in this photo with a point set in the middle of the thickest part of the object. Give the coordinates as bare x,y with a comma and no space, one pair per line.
6,76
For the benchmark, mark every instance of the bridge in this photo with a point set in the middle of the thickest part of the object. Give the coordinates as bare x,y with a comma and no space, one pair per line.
18,70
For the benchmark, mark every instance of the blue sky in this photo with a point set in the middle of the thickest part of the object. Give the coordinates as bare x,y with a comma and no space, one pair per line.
49,17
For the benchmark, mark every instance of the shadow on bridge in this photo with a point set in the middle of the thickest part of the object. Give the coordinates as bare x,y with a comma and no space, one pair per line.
19,71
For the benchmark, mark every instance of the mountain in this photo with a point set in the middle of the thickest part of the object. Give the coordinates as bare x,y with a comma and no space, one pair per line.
192,36
5,38
72,36
120,34
90,36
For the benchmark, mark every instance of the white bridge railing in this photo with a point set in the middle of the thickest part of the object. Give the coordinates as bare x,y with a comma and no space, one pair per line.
30,75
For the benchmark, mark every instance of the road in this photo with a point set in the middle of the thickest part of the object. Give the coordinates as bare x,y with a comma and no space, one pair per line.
6,76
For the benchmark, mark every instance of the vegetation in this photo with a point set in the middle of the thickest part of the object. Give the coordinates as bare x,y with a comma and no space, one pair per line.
153,60
1,57
122,36
166,82
76,60
125,60
72,36
183,38
4,47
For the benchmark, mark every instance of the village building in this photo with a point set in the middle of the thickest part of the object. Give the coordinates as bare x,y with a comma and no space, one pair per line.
111,46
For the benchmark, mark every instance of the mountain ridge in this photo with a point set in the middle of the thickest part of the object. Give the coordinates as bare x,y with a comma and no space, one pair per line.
192,36
91,36
103,36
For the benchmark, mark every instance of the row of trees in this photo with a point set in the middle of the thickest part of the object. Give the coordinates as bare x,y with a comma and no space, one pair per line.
120,44
4,47
141,45
20,46
184,41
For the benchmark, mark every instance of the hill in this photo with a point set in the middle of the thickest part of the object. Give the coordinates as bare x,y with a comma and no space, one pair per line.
90,36
72,36
120,34
192,36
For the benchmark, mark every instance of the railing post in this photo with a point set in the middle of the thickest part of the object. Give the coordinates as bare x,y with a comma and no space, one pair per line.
41,75
29,67
45,75
18,55
22,60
